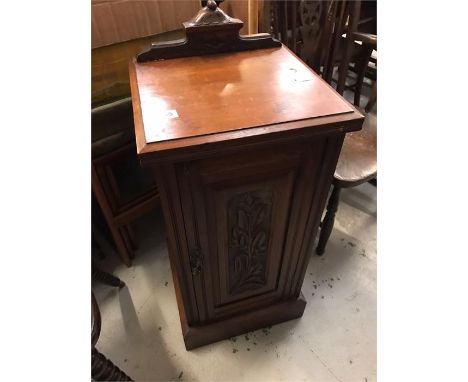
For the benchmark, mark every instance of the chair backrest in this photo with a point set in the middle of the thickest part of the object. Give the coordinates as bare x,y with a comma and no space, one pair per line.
314,30
346,23
316,22
111,118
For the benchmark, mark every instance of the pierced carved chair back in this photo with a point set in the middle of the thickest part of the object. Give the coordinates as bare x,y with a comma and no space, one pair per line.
313,30
315,25
304,26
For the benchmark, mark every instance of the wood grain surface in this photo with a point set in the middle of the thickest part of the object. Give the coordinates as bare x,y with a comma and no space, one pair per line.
211,94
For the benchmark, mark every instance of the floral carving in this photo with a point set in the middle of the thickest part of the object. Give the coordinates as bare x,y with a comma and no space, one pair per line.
249,217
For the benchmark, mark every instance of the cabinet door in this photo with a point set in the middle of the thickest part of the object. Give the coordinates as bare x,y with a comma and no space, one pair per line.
237,216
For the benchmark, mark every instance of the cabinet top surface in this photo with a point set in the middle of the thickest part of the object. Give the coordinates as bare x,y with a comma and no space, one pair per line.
204,95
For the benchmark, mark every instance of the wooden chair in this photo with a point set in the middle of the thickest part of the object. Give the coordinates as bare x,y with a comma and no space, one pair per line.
354,51
305,27
369,44
102,369
367,27
123,190
113,143
314,30
357,163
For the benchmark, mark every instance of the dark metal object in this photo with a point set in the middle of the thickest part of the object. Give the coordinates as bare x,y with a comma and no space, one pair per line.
196,261
103,369
105,277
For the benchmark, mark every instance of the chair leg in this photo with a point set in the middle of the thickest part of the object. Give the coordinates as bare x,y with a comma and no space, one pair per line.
127,241
103,369
105,277
95,249
328,221
372,98
131,237
102,244
122,247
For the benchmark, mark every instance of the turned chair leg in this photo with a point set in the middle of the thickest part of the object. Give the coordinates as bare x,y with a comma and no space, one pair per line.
328,221
372,98
103,369
106,278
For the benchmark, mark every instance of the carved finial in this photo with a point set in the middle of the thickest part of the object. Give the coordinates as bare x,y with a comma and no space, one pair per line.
212,5
210,31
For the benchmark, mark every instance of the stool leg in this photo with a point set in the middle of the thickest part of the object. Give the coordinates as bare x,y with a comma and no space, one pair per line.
106,277
103,369
328,221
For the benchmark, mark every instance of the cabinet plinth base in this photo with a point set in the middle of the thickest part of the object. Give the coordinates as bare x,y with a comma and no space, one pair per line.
196,336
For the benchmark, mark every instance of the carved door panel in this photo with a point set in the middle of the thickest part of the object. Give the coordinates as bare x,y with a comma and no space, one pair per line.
236,213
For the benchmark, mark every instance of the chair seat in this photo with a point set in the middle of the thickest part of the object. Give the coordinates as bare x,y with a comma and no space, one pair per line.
358,159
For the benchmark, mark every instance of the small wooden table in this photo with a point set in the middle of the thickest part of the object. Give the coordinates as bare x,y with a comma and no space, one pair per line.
244,145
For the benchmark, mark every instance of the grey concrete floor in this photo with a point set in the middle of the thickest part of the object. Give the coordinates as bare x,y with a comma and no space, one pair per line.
335,340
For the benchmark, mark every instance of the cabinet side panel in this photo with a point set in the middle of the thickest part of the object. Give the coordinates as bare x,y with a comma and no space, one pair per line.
325,177
312,184
305,187
177,243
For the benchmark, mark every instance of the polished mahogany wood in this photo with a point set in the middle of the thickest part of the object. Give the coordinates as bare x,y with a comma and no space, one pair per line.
202,201
243,173
221,96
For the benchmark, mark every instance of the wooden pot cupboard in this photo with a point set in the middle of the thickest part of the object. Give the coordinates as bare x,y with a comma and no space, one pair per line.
243,138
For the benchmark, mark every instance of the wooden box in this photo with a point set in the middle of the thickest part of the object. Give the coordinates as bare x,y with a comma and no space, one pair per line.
244,145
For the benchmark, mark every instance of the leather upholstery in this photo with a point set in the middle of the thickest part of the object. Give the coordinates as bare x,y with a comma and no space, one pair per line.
111,126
